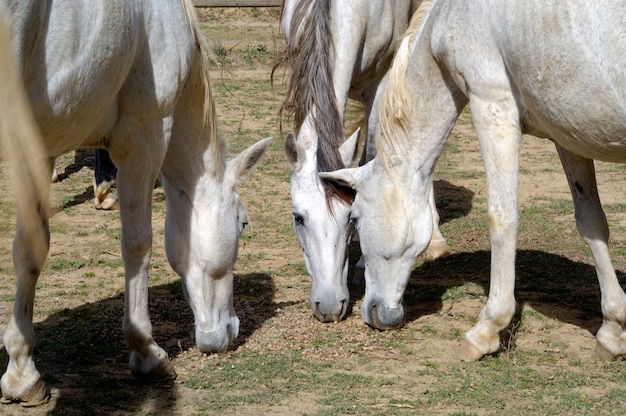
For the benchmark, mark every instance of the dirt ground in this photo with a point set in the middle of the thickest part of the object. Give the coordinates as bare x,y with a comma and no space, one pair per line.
271,294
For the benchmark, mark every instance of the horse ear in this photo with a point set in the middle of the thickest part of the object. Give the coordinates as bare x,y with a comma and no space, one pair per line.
238,168
351,177
349,147
294,153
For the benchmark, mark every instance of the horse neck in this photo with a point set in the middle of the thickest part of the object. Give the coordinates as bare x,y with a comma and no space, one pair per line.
419,107
196,147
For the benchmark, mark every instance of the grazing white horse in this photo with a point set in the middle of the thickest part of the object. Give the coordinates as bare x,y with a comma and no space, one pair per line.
131,76
553,69
337,49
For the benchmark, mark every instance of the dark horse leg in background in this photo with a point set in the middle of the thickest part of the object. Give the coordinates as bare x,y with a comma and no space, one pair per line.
104,174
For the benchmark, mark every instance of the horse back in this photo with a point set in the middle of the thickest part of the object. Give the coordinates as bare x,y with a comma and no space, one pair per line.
562,61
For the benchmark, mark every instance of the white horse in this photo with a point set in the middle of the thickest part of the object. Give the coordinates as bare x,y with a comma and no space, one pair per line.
337,49
131,76
549,68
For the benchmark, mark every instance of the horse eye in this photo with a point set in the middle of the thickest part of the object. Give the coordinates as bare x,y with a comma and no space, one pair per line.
298,219
354,220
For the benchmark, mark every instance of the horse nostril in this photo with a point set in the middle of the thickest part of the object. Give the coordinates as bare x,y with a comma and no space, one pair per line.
373,317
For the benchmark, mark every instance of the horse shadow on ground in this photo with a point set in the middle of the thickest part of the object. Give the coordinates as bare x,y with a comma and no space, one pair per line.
452,201
553,285
83,158
83,358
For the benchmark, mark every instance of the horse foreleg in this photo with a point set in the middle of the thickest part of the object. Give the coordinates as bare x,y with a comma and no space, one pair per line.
136,177
22,382
500,138
592,226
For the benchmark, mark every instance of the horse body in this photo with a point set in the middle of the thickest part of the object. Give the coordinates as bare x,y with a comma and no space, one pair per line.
552,69
132,77
337,50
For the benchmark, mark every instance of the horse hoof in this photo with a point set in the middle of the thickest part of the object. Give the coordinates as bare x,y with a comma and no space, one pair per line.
164,372
110,203
469,353
55,176
602,353
38,395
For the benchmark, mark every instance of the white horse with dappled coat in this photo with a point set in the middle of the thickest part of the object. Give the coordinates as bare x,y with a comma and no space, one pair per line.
553,69
337,49
130,76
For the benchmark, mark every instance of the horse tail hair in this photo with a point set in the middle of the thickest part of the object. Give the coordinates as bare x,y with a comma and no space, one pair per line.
208,104
23,146
395,106
309,52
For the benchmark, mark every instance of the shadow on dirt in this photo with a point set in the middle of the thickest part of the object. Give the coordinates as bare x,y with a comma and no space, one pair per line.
452,201
553,285
83,358
82,158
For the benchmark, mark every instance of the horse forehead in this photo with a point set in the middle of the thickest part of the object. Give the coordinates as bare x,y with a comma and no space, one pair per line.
306,178
307,191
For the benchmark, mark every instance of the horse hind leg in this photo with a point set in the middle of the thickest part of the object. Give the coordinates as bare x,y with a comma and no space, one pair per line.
22,382
592,226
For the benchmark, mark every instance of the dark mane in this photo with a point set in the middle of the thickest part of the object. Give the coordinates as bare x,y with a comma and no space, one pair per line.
309,52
